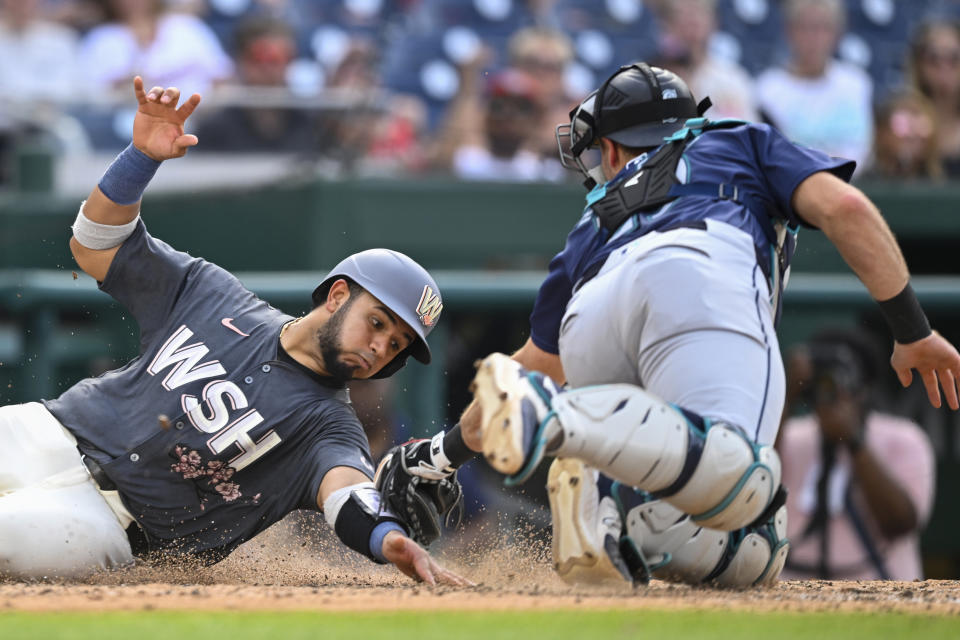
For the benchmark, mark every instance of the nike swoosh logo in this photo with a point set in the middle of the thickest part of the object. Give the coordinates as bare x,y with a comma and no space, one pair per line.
228,323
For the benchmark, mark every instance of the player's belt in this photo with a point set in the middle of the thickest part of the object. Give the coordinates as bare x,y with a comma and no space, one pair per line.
139,543
98,474
590,272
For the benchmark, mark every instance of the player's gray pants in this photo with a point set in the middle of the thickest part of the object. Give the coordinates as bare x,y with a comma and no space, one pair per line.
54,522
684,315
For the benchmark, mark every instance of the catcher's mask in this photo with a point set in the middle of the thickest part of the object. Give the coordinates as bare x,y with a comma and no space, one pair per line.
406,288
638,106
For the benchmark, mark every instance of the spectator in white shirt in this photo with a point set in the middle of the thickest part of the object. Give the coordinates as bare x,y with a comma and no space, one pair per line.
166,48
684,49
814,99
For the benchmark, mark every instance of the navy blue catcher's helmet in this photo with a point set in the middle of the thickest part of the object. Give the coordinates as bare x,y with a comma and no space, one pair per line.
638,106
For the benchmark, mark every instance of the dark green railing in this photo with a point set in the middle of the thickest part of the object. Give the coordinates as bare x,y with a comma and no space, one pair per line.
43,308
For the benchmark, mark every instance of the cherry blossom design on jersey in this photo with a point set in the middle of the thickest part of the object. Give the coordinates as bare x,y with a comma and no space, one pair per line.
216,472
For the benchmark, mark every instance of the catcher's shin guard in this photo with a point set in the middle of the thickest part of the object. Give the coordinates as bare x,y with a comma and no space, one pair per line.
678,549
709,470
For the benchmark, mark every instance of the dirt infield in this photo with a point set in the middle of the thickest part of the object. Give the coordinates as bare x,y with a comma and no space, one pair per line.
929,597
283,571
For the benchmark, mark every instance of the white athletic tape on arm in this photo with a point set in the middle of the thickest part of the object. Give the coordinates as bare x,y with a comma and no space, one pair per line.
367,495
94,235
437,455
366,521
336,500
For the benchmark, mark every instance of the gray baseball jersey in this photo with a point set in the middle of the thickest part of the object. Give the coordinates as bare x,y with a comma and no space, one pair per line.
212,433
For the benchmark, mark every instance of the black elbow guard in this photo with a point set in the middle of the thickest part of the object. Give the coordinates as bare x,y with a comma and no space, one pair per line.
354,512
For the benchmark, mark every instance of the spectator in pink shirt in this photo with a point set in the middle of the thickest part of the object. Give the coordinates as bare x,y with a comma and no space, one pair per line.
860,482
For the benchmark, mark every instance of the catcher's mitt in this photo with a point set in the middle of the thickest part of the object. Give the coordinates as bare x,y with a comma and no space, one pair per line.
421,495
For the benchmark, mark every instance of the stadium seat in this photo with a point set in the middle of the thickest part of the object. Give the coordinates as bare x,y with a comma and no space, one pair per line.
758,27
487,17
609,34
420,65
108,129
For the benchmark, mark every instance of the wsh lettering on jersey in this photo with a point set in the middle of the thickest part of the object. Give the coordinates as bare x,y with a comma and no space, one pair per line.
186,365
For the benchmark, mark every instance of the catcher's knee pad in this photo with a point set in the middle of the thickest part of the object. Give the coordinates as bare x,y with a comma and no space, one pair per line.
678,549
710,470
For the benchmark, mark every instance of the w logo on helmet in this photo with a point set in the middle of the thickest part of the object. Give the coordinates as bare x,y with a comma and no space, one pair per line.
429,308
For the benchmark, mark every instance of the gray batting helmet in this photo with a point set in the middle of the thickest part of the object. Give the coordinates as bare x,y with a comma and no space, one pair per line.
403,286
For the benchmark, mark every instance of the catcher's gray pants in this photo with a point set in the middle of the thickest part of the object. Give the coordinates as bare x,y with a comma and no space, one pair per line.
54,521
685,314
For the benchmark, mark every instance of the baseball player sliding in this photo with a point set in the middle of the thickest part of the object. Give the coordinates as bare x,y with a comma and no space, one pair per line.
659,316
233,415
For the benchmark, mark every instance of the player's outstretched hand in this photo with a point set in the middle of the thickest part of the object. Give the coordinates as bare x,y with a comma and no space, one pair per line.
414,561
158,125
936,360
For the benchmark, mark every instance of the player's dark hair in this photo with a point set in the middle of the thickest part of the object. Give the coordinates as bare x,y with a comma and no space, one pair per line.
919,46
355,290
633,151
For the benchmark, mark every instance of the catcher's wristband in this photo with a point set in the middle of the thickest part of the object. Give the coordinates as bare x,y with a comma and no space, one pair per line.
905,317
456,450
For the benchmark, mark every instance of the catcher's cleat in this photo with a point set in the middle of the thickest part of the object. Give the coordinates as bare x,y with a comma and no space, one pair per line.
517,420
587,531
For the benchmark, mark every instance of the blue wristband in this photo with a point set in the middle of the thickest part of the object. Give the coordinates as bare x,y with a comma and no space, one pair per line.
378,534
128,175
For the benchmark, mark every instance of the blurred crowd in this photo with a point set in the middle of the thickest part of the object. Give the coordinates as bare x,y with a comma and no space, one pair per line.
474,88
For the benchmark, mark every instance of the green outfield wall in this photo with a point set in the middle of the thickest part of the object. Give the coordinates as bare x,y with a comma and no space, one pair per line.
444,224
